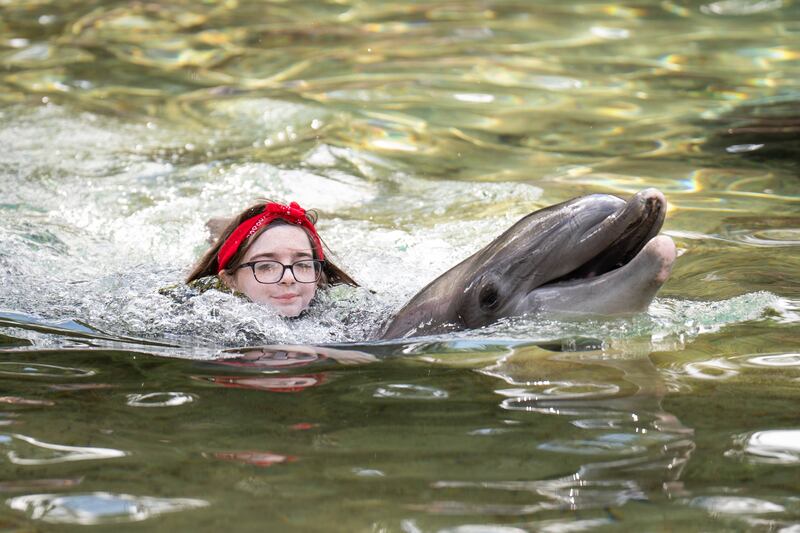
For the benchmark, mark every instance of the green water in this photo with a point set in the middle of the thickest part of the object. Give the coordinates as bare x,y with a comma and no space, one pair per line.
419,130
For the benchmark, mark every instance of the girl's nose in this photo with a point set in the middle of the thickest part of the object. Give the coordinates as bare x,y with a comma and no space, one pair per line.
287,277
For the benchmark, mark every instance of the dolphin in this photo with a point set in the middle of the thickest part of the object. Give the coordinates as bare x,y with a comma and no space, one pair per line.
592,255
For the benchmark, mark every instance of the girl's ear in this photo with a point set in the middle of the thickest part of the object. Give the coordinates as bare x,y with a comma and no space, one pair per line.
228,280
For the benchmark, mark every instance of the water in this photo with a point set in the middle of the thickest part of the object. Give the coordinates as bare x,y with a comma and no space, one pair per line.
419,131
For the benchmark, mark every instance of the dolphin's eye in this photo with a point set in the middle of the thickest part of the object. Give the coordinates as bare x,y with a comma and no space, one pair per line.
488,297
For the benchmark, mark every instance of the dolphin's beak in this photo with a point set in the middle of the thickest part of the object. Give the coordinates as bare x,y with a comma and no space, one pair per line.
624,276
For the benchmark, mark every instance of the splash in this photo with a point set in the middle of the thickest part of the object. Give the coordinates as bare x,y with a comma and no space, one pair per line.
668,322
133,222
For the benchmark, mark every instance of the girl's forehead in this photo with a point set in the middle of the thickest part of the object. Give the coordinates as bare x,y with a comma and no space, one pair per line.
281,239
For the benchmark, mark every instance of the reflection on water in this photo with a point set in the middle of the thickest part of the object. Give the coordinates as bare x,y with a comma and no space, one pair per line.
33,370
737,505
420,131
49,453
159,399
405,391
97,508
776,446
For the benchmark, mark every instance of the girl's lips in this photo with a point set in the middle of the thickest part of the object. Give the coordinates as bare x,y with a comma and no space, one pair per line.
285,297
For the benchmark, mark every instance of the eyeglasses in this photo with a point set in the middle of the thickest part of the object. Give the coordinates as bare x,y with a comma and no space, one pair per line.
305,271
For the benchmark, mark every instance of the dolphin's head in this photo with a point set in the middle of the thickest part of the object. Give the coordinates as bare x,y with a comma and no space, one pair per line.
595,254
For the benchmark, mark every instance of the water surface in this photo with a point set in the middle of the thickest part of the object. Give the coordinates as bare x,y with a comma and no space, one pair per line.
419,130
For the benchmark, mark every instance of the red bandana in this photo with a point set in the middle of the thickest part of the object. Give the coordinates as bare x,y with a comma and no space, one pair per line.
292,213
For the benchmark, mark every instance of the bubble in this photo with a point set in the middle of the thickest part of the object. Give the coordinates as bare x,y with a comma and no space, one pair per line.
160,399
98,507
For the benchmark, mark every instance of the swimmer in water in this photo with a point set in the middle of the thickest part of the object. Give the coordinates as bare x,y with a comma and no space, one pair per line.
271,253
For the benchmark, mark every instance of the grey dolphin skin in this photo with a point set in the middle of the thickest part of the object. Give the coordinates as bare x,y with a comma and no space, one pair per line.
593,255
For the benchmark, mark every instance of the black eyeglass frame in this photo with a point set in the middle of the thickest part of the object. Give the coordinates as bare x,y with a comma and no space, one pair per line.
319,264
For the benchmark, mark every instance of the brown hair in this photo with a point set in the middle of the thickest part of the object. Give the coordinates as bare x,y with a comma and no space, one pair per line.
208,265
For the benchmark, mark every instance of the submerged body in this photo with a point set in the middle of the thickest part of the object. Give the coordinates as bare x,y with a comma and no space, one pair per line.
596,254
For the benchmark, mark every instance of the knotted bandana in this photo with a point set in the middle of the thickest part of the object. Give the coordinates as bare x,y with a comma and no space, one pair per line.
292,213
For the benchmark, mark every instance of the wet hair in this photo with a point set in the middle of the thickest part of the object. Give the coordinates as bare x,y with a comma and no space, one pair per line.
208,265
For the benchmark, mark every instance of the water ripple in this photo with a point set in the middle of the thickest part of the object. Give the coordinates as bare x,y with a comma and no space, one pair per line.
25,485
716,369
562,390
256,457
558,397
483,528
741,7
13,368
368,472
464,508
768,237
98,507
488,431
18,400
45,453
559,408
780,360
407,391
569,492
613,444
598,423
778,446
160,399
736,505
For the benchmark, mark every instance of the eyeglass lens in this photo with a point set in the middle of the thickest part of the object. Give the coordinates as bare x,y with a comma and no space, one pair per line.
306,271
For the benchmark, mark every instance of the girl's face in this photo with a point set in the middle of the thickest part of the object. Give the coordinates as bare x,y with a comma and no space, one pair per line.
285,244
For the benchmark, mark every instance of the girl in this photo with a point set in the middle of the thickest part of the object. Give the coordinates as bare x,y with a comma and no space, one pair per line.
271,253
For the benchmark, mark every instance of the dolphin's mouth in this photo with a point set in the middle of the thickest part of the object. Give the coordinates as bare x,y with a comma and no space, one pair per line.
628,230
616,267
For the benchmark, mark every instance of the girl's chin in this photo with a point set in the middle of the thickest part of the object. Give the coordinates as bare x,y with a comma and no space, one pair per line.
288,309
